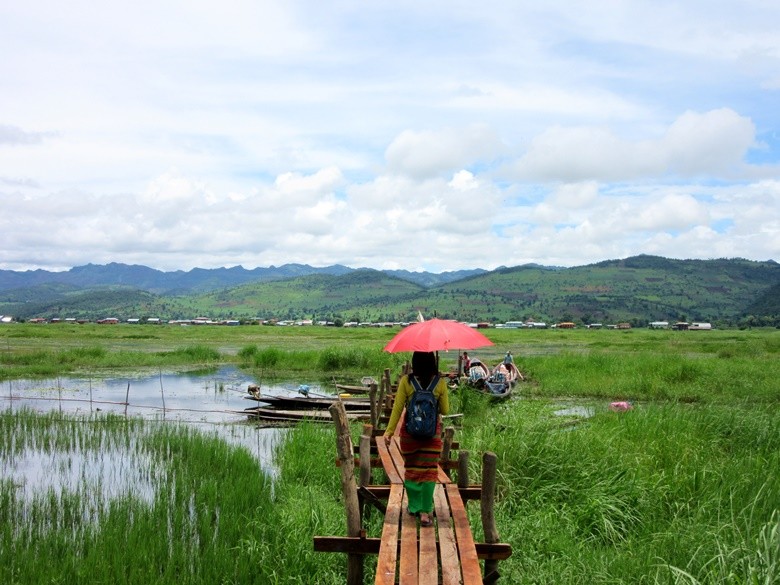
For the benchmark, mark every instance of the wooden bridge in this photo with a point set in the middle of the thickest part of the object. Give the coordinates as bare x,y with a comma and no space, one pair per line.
409,554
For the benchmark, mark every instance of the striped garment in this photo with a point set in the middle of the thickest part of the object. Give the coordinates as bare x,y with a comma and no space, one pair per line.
421,457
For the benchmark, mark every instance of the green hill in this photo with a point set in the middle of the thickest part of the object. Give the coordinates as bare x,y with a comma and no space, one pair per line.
66,301
318,296
643,287
638,290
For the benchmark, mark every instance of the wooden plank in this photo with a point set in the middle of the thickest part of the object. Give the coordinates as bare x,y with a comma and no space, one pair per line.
429,562
473,492
443,477
448,550
387,462
407,568
375,462
370,546
398,458
388,550
274,414
469,562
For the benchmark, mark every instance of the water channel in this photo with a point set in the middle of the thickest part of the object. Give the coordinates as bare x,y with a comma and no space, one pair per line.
211,401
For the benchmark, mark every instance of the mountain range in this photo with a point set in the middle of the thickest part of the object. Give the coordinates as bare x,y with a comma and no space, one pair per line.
636,289
195,280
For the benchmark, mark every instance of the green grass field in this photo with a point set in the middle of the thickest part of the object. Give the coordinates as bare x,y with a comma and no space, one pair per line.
682,489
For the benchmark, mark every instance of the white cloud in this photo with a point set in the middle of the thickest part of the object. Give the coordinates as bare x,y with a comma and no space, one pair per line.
575,196
714,143
416,135
670,212
428,154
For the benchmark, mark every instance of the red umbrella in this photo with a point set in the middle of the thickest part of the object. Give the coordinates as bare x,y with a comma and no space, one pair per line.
435,335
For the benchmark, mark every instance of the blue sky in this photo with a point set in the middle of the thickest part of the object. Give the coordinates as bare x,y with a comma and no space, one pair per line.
416,135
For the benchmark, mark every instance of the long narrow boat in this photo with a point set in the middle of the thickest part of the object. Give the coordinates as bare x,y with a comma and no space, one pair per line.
363,388
311,402
501,381
318,415
351,389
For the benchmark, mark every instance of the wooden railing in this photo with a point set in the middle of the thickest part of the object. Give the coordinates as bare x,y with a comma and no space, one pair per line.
407,553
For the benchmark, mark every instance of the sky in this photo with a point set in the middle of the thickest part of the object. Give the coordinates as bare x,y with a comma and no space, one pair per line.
435,135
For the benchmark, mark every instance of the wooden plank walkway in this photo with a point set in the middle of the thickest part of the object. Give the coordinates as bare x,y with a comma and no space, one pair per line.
445,550
407,554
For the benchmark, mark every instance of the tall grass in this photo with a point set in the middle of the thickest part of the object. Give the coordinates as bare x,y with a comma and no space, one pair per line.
643,376
651,495
53,362
208,503
665,493
355,360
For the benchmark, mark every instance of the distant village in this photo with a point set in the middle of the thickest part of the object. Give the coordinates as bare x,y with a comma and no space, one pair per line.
203,321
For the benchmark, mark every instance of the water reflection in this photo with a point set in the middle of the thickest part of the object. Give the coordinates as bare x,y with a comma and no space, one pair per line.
211,397
211,401
578,411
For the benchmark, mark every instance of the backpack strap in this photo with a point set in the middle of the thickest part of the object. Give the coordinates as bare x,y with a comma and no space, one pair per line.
431,387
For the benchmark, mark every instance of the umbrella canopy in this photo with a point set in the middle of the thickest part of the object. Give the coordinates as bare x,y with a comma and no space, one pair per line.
435,335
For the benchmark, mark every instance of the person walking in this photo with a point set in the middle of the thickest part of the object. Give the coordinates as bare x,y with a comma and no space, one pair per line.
421,455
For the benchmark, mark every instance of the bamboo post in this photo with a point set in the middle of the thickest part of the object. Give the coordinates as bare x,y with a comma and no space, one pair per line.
365,463
487,511
446,449
463,469
384,390
365,455
127,398
162,393
374,405
348,488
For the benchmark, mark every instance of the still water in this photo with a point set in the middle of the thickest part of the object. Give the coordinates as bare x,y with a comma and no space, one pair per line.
211,401
216,396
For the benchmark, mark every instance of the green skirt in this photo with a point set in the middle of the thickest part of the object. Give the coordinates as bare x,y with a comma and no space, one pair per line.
420,496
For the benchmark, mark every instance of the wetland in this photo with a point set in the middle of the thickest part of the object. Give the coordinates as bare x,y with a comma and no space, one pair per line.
682,488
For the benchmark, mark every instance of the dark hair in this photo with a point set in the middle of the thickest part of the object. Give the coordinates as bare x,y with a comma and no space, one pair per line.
424,366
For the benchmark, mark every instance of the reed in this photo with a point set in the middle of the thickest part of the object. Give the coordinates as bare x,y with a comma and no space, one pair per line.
709,377
355,360
175,507
664,492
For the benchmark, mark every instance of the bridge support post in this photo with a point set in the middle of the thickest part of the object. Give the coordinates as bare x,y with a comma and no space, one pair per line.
446,450
488,516
348,488
463,469
372,394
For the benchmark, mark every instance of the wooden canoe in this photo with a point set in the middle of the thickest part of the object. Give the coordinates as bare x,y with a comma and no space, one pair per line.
310,403
501,381
352,389
318,415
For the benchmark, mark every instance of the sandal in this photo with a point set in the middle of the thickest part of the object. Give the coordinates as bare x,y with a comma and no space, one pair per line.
426,521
